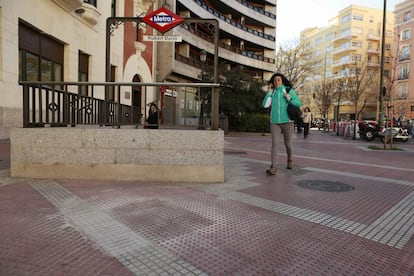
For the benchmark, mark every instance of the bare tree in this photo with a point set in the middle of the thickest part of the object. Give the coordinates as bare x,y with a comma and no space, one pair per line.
360,81
325,92
295,62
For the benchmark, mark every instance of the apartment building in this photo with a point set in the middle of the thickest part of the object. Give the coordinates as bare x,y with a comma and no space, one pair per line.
247,32
402,98
349,50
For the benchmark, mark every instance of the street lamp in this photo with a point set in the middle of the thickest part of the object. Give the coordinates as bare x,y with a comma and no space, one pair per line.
203,59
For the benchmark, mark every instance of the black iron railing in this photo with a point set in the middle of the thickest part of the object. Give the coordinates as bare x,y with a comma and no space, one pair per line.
53,104
58,104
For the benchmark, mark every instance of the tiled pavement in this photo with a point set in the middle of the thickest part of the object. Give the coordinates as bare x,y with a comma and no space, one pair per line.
252,224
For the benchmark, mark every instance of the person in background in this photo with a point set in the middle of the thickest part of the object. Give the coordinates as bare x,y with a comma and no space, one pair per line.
307,119
152,119
277,98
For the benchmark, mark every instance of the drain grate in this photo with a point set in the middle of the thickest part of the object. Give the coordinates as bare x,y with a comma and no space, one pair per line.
325,186
234,152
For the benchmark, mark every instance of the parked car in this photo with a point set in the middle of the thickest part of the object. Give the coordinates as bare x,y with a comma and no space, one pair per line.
398,134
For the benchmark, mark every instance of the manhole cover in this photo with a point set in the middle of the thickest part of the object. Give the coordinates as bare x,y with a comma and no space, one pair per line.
235,152
325,186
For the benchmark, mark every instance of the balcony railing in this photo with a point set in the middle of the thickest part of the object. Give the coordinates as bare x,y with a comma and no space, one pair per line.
228,47
257,9
234,22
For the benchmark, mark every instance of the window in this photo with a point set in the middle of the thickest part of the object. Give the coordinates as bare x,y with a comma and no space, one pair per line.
318,53
356,58
404,71
405,34
405,53
90,2
40,56
329,37
402,91
344,59
318,41
357,44
346,18
83,69
358,17
407,16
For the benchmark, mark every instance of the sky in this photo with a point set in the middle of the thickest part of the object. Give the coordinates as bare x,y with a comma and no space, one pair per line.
293,16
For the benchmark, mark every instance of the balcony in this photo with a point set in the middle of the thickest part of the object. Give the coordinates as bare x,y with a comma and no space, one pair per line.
344,36
373,37
343,49
89,13
71,4
343,63
373,51
373,64
229,25
201,41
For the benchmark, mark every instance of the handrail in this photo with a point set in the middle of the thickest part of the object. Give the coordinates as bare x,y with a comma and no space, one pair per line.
51,103
56,83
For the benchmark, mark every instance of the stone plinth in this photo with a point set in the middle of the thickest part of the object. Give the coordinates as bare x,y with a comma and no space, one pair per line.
118,154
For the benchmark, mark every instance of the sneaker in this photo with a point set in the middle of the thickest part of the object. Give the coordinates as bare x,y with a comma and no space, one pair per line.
289,165
271,171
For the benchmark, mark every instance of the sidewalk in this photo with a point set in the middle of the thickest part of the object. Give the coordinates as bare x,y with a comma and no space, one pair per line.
342,210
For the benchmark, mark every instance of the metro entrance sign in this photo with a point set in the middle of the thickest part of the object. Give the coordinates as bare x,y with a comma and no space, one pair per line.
162,19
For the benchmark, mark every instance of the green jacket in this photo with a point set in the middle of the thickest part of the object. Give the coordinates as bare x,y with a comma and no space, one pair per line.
278,108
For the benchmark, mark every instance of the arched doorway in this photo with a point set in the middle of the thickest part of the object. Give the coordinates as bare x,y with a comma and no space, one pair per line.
136,100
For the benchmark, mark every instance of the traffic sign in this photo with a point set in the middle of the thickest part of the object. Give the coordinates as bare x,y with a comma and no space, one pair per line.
162,19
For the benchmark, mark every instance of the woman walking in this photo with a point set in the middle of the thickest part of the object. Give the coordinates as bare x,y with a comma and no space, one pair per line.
280,93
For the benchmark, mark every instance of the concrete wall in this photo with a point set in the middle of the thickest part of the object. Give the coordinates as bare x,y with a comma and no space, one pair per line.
118,154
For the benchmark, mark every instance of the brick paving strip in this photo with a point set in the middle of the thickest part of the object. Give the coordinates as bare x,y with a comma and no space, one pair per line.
136,253
394,228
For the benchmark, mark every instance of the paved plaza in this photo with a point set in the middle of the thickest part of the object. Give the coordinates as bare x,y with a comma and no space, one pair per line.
344,209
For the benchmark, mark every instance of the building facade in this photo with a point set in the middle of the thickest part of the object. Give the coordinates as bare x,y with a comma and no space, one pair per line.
65,40
53,40
349,51
402,97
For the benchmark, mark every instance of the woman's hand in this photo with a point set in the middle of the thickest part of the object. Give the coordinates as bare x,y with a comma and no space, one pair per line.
288,97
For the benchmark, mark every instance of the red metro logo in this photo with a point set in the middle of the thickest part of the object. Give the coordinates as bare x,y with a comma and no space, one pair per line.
162,20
